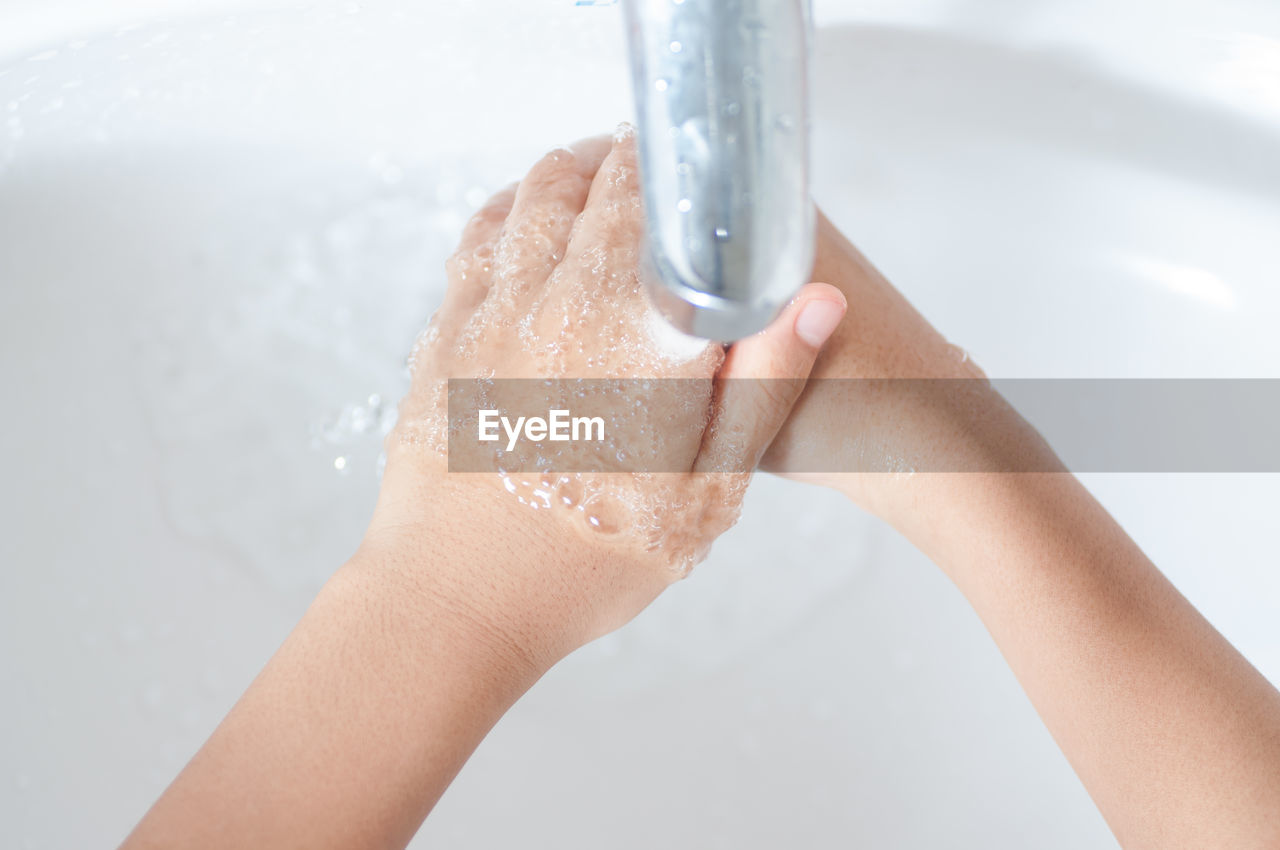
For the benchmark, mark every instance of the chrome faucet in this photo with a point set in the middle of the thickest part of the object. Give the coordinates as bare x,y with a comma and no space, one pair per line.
722,106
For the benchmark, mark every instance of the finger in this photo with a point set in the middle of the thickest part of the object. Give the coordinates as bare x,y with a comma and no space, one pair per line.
762,377
611,218
549,198
557,186
470,270
485,224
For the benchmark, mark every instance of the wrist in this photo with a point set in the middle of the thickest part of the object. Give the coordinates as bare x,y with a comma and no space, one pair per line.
974,525
420,600
932,452
497,573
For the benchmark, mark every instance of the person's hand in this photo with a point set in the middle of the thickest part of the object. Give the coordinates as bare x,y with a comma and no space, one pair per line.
866,438
468,586
544,285
1175,735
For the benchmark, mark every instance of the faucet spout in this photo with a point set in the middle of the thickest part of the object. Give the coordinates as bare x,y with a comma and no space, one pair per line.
722,108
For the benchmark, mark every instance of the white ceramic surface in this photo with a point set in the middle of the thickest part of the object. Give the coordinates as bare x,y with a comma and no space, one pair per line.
219,233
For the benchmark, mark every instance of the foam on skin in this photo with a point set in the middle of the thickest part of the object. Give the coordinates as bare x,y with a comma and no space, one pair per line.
551,295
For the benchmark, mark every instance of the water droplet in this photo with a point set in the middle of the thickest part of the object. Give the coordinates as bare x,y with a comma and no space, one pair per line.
676,47
684,205
660,84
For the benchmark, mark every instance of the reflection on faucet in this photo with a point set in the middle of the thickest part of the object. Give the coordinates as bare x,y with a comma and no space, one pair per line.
721,90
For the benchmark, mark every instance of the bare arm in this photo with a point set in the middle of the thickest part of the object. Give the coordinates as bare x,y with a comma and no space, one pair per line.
363,717
1175,735
469,586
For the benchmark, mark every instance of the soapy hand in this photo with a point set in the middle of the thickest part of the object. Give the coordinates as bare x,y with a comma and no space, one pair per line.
468,586
544,285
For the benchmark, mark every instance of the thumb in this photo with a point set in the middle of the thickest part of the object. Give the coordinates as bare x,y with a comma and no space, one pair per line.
762,377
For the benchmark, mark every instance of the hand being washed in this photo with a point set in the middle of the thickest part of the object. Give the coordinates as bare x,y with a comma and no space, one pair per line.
468,586
544,285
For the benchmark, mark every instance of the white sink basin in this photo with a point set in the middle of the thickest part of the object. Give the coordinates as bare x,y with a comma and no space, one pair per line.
219,234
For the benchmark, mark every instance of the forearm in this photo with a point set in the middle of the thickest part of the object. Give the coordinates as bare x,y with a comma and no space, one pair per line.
352,731
1174,734
469,586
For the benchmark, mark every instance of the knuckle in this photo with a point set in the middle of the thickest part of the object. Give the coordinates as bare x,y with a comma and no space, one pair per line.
494,212
554,169
501,200
623,156
487,218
